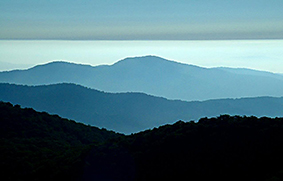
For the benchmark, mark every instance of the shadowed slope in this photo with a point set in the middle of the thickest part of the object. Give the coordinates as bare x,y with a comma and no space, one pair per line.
39,146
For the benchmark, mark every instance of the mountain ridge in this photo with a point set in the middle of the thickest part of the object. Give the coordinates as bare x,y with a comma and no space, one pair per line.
133,58
155,76
129,112
39,146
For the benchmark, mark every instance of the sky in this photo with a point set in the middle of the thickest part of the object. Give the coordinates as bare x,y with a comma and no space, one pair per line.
116,23
264,55
141,19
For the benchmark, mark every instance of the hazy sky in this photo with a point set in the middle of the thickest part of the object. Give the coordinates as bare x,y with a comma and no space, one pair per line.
256,54
141,19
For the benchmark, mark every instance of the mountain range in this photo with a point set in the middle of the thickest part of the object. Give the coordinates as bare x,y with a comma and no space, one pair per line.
38,146
148,99
129,112
155,76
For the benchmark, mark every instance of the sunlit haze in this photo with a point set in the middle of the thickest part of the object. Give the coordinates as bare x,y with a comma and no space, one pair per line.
255,54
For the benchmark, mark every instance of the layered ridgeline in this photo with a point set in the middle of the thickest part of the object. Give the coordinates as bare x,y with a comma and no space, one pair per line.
38,146
155,76
129,112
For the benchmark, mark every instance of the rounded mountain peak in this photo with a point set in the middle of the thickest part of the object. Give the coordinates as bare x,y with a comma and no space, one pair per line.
149,60
60,64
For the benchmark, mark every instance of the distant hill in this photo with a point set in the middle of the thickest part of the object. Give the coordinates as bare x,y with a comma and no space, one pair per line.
11,66
38,146
155,76
129,112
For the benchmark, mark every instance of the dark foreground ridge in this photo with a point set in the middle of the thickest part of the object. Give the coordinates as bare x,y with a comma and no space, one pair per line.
38,146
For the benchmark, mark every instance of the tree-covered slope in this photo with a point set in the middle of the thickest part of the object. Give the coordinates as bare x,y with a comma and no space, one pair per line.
222,148
38,146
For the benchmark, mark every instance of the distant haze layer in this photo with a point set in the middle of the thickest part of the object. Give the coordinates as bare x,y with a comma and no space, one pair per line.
255,54
141,20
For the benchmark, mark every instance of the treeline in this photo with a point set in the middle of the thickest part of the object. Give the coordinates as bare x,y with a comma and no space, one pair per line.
39,146
222,148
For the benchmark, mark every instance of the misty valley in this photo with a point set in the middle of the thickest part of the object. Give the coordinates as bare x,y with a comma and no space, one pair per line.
141,118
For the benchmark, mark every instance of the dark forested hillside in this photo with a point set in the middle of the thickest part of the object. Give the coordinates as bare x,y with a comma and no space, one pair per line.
222,148
38,146
129,112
